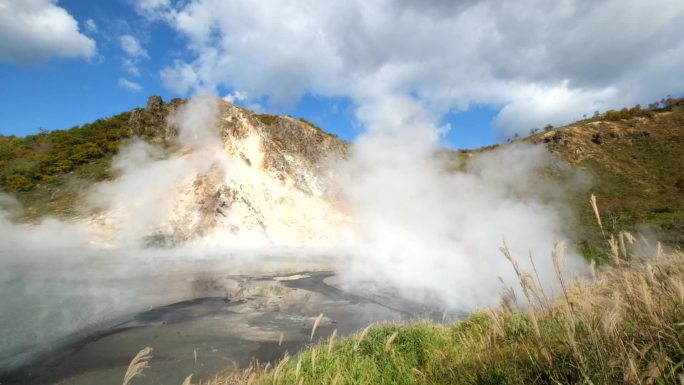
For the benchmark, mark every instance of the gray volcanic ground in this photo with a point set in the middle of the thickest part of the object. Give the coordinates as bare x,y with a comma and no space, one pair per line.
235,319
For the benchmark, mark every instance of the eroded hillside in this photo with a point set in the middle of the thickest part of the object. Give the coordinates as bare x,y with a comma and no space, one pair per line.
273,182
264,182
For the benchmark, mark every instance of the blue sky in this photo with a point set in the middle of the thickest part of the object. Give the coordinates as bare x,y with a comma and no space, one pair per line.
484,87
65,92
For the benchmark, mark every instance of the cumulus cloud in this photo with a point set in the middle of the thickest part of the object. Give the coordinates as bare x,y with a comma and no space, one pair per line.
134,52
550,106
129,85
131,46
540,61
38,30
235,96
180,78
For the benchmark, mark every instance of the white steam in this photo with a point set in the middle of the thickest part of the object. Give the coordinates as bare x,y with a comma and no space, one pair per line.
430,231
59,277
417,222
149,182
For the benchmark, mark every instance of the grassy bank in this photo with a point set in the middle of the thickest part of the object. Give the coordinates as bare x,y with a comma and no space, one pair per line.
625,326
621,324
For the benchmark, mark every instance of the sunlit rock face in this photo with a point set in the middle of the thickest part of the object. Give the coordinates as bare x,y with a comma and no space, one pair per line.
259,182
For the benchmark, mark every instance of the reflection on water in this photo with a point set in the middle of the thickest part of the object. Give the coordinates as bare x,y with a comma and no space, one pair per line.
80,323
48,297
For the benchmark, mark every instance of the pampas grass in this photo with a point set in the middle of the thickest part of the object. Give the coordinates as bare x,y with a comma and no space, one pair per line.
331,341
390,339
188,380
139,363
594,206
362,336
315,325
625,326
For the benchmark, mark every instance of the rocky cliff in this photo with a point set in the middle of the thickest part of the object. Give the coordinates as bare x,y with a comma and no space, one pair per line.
267,185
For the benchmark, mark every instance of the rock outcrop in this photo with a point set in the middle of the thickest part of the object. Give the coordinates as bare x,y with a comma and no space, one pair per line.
150,122
268,185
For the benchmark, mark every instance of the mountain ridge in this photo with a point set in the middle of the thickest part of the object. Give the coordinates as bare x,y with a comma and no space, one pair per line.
632,157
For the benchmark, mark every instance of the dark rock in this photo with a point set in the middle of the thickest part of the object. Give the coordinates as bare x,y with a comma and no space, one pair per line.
150,122
597,138
641,135
154,102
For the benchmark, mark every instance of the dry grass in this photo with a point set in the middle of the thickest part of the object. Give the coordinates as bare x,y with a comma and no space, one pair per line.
594,207
315,326
140,362
624,326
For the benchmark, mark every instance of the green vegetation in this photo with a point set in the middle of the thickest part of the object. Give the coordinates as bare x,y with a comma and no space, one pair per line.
626,113
266,119
637,168
623,327
666,104
310,124
42,170
269,120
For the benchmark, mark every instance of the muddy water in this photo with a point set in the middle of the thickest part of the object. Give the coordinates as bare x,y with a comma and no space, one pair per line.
242,318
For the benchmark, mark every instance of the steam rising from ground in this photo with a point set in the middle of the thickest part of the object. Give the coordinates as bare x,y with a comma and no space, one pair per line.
431,231
424,224
150,182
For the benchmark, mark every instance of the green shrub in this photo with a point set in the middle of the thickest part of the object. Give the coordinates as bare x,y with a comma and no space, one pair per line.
266,119
47,156
19,182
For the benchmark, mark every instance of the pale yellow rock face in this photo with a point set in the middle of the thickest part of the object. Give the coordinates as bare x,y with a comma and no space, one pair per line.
262,185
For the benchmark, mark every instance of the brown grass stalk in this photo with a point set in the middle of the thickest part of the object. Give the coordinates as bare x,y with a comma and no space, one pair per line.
139,363
315,326
594,206
390,339
331,341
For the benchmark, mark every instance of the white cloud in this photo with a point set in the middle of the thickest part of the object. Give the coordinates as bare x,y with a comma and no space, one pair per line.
235,96
180,78
38,30
132,47
129,85
540,61
135,53
153,9
130,66
91,26
552,105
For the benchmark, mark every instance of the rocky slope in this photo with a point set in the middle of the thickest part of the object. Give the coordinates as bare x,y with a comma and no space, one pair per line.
266,186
